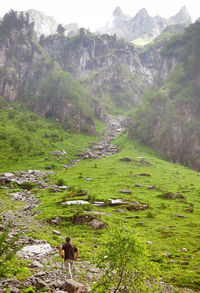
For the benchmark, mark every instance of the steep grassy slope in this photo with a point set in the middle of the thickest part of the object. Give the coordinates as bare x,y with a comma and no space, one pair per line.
27,140
170,225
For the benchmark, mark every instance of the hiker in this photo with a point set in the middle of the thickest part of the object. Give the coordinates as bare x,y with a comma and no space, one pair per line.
70,254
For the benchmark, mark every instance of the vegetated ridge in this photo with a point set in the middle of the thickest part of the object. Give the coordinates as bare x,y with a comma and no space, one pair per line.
168,118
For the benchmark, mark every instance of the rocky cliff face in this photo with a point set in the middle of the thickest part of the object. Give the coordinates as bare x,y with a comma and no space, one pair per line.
19,59
142,25
25,68
159,65
105,64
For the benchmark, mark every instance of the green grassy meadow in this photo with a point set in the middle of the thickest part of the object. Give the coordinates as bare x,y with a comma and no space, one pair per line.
170,225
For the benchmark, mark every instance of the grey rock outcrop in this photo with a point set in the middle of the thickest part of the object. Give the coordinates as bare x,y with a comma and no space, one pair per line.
106,65
159,65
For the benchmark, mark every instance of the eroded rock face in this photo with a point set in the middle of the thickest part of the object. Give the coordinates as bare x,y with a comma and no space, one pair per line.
105,55
158,64
16,76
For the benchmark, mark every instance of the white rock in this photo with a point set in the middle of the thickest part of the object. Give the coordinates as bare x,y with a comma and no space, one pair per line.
35,250
72,202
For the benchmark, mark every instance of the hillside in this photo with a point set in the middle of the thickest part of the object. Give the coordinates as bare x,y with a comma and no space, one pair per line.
159,200
30,75
168,118
29,141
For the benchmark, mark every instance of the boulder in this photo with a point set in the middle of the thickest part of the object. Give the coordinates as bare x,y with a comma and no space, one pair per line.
48,167
144,174
54,221
72,286
151,187
58,153
56,232
36,264
168,254
126,160
82,219
126,191
142,162
35,250
99,203
97,225
4,180
39,284
117,202
137,206
75,202
138,185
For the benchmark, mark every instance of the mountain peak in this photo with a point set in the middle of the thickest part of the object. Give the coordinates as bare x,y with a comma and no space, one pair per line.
182,16
142,13
117,11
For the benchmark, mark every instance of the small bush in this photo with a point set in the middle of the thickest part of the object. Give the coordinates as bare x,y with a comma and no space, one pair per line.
150,215
28,185
60,182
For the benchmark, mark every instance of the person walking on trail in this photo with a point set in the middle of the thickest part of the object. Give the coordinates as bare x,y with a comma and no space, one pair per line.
70,255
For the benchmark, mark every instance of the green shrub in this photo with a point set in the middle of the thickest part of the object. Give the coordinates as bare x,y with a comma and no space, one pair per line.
28,185
123,257
60,182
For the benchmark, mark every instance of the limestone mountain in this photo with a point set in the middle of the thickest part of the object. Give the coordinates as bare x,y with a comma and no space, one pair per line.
182,17
142,25
109,68
47,25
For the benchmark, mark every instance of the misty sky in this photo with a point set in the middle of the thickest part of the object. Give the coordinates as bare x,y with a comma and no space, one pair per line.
94,13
